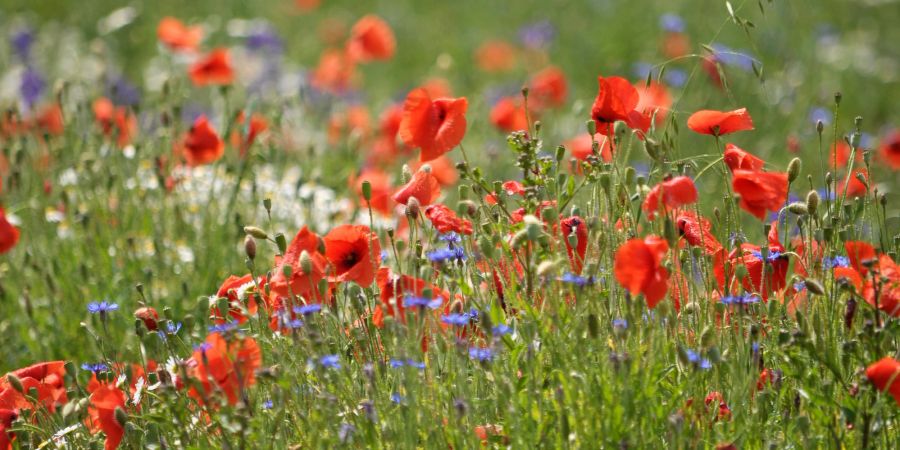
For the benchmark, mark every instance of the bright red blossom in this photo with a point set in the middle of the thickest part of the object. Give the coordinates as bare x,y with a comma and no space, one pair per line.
615,100
885,375
354,254
435,126
509,115
738,159
445,220
720,122
890,149
638,268
177,36
9,234
202,145
423,186
226,365
672,193
213,69
760,191
575,228
371,39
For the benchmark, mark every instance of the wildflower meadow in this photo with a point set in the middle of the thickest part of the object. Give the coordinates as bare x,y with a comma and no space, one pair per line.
589,224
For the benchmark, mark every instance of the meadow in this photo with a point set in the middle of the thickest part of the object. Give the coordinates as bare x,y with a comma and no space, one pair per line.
410,224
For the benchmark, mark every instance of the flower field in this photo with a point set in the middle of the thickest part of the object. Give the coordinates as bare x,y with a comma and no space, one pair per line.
368,224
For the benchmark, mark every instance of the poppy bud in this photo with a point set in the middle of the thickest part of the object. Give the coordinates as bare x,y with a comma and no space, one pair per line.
605,181
814,286
857,122
793,169
652,148
15,382
305,263
464,190
412,208
707,337
837,97
630,173
560,153
883,200
812,202
549,214
862,179
819,126
533,227
121,416
518,239
798,208
691,308
406,174
281,242
367,190
148,316
593,325
537,127
256,232
591,127
849,313
828,179
250,247
267,203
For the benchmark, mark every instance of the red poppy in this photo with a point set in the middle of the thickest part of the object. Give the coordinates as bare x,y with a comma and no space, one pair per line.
638,268
354,121
445,220
854,187
510,187
715,398
178,37
653,99
434,126
423,186
300,283
548,88
840,154
575,227
750,256
102,414
6,437
227,365
241,293
202,144
113,119
371,39
711,67
890,149
616,100
851,276
495,56
394,289
437,87
306,6
720,122
696,230
9,234
50,120
354,253
380,183
885,375
245,134
149,316
213,69
509,115
760,191
47,378
885,288
675,45
738,159
859,253
334,71
442,168
582,147
675,193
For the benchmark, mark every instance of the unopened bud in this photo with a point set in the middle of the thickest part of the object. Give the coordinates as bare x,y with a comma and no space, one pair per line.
412,208
306,263
250,247
256,232
406,174
837,97
591,127
793,170
814,286
367,190
820,126
121,416
546,269
812,202
798,208
15,382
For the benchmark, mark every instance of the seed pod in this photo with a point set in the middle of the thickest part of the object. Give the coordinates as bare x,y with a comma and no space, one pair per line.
812,202
256,232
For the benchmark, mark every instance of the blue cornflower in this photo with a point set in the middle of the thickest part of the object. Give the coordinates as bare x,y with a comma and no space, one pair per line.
22,40
122,92
202,347
672,23
267,404
501,329
820,115
308,309
643,69
412,301
675,77
450,237
265,40
694,358
459,320
417,365
771,257
295,323
396,398
442,255
481,354
223,327
537,35
346,432
577,280
731,57
95,367
173,327
396,363
32,86
799,286
743,299
385,255
102,307
837,261
330,361
736,237
755,347
620,324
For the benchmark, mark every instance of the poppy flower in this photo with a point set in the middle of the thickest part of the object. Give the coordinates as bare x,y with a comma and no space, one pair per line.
509,115
653,99
241,293
178,37
675,45
246,133
302,282
885,375
9,234
719,123
760,191
548,88
437,87
851,276
435,126
306,6
149,316
102,414
50,120
396,289
423,186
575,226
510,187
853,186
715,398
738,159
696,230
371,39
213,69
7,417
638,268
47,378
495,56
840,154
225,365
890,149
445,220
675,193
333,72
354,121
711,67
616,99
750,256
354,253
202,144
885,292
113,119
442,168
380,184
860,253
582,147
